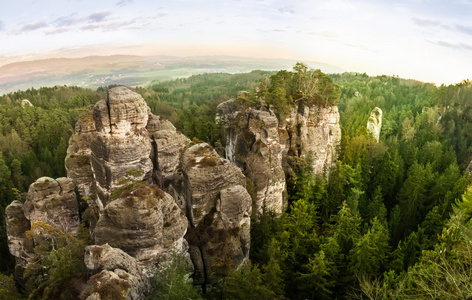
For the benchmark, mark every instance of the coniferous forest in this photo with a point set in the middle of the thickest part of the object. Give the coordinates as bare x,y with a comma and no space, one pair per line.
392,220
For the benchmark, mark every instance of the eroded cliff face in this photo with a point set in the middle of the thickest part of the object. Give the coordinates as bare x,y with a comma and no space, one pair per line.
192,185
155,192
257,142
219,212
52,201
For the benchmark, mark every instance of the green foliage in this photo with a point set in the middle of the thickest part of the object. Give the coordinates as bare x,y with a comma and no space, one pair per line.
8,290
247,283
172,282
58,259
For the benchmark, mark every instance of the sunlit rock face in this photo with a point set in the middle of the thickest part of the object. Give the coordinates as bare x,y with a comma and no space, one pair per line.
121,142
257,142
374,124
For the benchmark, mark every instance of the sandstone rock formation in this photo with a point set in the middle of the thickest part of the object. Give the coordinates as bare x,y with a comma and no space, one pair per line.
186,197
219,209
122,135
144,222
113,269
374,124
256,141
253,143
54,202
20,246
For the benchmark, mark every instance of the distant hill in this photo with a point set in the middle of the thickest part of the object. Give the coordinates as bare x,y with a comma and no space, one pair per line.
95,71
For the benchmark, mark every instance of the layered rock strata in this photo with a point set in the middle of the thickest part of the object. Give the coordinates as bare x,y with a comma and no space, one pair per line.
144,222
122,135
52,201
219,209
257,142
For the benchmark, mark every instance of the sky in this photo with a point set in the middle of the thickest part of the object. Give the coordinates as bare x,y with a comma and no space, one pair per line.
427,40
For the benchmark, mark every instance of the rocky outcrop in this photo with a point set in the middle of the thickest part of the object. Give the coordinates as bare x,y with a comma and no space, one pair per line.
20,246
145,222
78,159
54,202
252,142
256,141
374,124
108,143
219,209
167,147
114,273
121,142
156,193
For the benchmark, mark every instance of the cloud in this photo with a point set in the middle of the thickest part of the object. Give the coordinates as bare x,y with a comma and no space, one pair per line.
122,3
464,29
33,26
426,22
287,10
56,31
457,46
2,26
66,21
97,17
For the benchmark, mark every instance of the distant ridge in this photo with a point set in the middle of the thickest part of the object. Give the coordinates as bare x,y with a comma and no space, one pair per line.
132,70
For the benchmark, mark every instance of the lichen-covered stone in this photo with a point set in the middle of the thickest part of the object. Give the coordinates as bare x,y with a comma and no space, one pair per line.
219,208
54,202
144,222
168,145
115,268
374,124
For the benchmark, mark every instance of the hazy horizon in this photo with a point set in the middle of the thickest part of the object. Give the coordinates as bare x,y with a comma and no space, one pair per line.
420,39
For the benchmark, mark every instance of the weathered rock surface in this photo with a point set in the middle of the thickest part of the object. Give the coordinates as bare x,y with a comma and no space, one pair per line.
256,141
167,147
252,142
54,202
114,269
374,124
78,159
108,143
121,142
219,210
145,222
20,246
195,194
